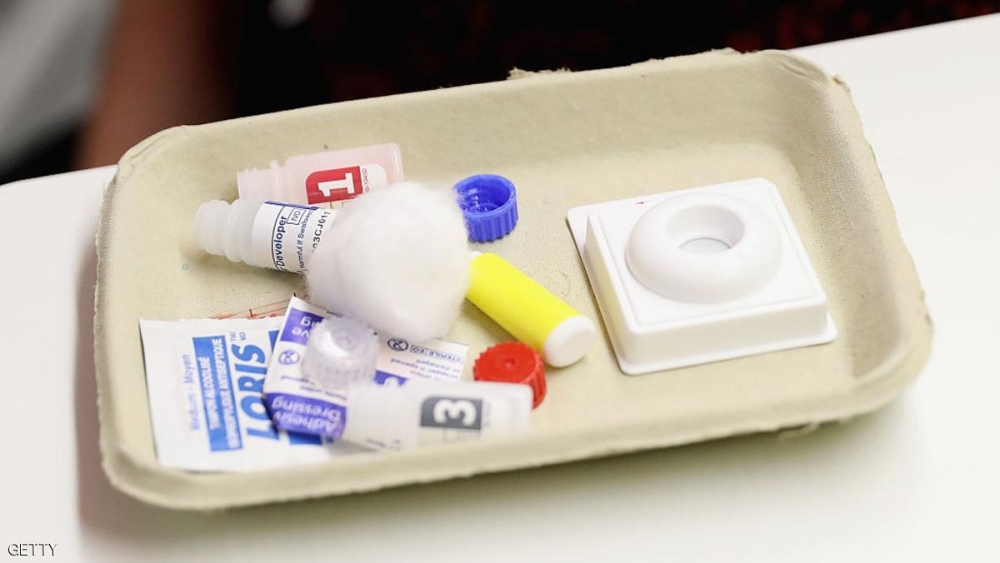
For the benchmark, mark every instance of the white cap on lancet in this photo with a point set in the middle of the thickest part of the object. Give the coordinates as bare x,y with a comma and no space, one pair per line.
569,342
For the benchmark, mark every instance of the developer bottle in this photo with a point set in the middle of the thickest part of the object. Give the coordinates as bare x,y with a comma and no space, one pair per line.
425,412
264,234
324,178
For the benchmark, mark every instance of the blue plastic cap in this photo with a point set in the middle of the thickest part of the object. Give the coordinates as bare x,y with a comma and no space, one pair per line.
489,203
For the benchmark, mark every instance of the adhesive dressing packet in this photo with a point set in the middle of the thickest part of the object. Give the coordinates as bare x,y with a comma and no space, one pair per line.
299,405
205,382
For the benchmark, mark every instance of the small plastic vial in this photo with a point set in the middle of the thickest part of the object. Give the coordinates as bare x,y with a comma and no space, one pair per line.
324,178
423,412
264,234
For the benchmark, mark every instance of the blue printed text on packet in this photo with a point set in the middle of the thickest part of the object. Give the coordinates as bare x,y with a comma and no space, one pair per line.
205,381
297,404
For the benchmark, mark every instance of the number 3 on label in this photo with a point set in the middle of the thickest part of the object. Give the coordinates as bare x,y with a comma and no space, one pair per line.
451,411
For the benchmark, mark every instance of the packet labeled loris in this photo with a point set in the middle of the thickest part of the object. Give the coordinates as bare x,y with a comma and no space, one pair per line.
205,382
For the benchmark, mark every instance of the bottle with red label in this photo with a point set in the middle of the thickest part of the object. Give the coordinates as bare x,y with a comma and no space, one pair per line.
323,179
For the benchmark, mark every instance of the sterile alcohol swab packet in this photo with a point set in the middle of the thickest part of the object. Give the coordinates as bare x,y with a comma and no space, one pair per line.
205,381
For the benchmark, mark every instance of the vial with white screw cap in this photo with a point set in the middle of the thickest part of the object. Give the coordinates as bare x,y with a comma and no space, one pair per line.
262,234
422,412
324,178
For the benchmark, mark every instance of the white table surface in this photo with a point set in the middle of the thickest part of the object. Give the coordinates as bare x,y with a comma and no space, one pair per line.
917,481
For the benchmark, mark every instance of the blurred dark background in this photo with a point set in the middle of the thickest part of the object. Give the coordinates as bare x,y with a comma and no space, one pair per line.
82,80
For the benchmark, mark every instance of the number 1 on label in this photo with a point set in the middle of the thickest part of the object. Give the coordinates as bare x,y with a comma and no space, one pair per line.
330,186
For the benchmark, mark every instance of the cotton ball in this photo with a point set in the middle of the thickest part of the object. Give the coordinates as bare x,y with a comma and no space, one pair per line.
397,259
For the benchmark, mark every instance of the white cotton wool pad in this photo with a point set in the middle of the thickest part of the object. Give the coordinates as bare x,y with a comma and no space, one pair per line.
396,259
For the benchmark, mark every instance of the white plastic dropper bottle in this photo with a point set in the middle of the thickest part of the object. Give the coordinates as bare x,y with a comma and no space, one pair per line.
263,234
425,412
325,178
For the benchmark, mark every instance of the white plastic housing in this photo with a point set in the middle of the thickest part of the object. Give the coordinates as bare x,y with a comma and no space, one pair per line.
700,275
423,412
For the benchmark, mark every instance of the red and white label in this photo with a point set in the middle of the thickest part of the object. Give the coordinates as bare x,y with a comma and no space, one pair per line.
339,184
334,185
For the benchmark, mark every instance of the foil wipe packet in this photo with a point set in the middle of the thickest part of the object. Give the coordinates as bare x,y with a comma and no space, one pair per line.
205,382
298,404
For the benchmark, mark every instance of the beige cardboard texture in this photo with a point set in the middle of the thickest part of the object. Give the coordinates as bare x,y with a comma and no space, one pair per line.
565,139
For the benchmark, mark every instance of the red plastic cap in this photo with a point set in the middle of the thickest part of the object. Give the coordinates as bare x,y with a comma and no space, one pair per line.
512,362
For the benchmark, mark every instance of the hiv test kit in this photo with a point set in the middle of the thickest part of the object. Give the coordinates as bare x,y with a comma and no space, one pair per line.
751,171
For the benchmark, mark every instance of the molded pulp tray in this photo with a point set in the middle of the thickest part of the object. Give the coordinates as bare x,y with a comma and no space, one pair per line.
565,139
